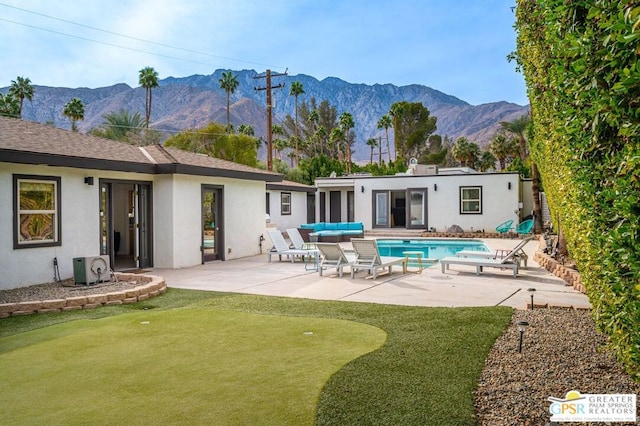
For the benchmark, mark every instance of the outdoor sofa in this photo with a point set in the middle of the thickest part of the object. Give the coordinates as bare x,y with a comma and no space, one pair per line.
333,232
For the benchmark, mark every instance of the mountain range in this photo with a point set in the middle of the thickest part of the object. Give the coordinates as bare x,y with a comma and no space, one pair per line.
194,101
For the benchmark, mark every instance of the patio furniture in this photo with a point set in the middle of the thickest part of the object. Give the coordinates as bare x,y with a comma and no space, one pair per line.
297,241
407,255
281,248
517,253
525,227
368,258
505,227
332,256
335,232
508,261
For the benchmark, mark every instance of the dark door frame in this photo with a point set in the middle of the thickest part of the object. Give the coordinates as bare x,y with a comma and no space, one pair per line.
144,231
219,245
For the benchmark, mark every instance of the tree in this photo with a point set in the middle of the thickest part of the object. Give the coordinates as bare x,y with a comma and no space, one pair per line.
296,90
20,89
246,129
212,140
372,144
120,125
487,161
74,110
465,152
385,123
413,124
148,79
229,82
9,106
518,128
395,112
503,148
346,124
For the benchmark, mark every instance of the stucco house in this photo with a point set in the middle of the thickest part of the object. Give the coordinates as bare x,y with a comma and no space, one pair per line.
425,197
66,195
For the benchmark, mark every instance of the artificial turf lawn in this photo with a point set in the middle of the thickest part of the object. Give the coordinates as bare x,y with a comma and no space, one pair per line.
424,373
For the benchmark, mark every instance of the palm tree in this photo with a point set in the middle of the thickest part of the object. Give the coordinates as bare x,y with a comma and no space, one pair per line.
385,123
229,83
296,90
120,125
321,137
246,129
20,89
518,128
9,106
395,112
313,121
465,152
74,110
503,148
346,123
148,79
372,144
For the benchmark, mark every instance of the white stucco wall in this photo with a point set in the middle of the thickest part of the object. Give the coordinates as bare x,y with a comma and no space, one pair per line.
244,220
177,233
298,214
80,220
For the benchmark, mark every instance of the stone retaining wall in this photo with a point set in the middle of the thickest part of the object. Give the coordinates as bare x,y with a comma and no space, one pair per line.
151,286
571,276
506,235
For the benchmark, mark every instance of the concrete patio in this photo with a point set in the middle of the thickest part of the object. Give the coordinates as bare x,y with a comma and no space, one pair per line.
459,286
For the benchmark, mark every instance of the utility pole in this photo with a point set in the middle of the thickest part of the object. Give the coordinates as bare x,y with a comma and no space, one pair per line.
268,88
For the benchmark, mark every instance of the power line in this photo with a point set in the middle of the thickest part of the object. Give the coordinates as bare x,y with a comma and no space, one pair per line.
123,36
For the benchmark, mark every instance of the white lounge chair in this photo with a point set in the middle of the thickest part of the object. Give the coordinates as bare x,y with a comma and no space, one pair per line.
297,240
332,256
281,248
509,261
517,253
368,258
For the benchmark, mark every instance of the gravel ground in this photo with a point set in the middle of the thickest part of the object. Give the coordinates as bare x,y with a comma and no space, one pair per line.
52,291
561,352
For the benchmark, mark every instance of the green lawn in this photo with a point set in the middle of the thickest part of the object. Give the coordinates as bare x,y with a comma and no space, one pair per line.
190,357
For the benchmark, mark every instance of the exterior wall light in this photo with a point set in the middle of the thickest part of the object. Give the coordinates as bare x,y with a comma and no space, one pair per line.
435,186
362,189
88,180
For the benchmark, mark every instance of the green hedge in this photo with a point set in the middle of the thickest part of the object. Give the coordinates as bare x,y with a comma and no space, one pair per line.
581,62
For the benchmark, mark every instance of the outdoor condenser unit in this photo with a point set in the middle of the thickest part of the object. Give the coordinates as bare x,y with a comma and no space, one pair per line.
90,270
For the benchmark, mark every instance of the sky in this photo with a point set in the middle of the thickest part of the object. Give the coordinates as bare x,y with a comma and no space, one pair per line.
457,47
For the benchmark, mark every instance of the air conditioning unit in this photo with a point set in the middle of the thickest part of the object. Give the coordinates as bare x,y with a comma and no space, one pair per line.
91,270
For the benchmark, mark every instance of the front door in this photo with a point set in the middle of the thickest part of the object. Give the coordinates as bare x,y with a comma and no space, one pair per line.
212,224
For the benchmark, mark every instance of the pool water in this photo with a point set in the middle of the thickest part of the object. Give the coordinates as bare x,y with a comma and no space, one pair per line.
434,249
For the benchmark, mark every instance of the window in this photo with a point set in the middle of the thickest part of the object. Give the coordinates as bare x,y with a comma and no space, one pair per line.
470,200
36,211
285,203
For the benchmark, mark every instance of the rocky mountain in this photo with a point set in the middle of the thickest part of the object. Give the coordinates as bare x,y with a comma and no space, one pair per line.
194,101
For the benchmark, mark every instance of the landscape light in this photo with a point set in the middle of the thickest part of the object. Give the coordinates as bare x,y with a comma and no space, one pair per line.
522,326
531,290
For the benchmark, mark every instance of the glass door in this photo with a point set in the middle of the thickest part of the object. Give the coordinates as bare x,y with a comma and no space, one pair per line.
417,212
381,209
212,226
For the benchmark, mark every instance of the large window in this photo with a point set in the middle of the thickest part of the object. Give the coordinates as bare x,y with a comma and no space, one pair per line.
36,211
470,200
285,203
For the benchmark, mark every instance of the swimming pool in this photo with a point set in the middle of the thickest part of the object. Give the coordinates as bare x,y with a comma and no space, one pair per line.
434,249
